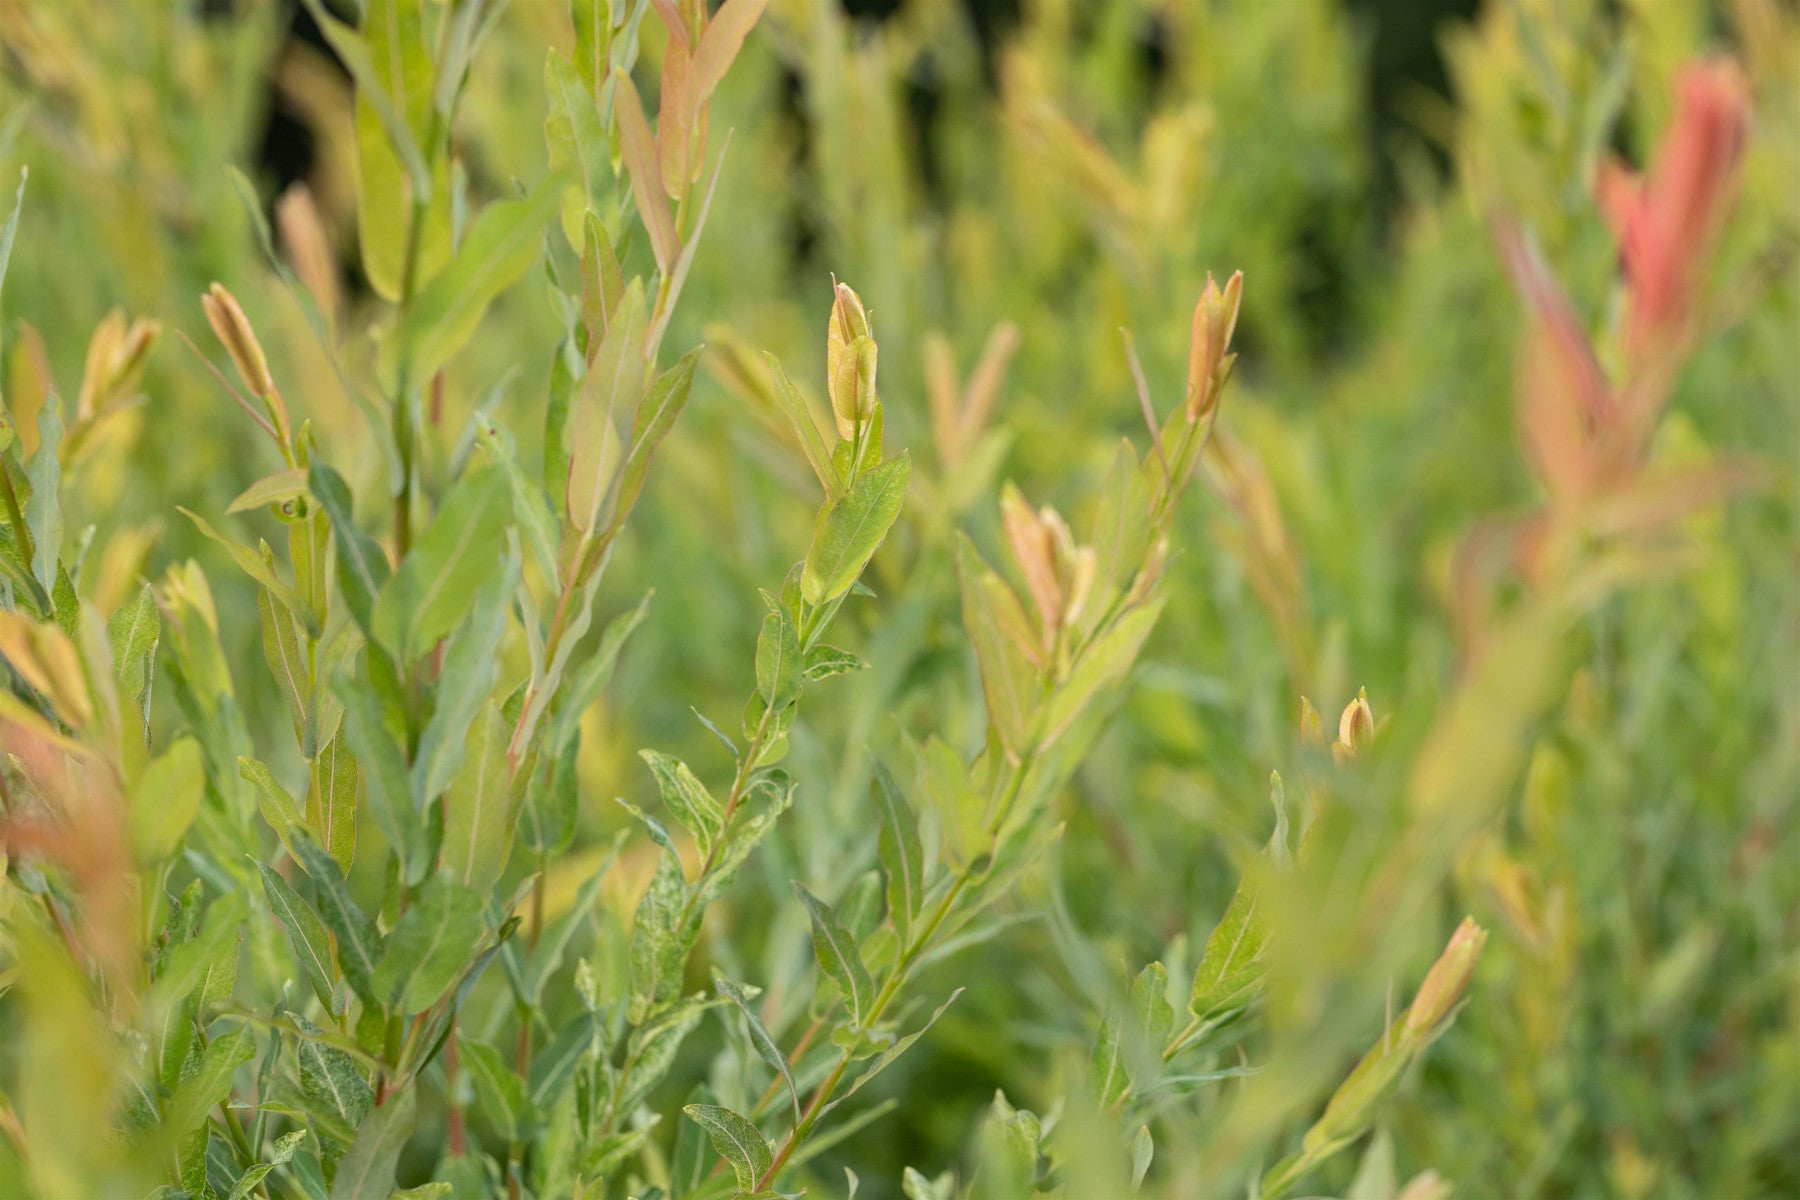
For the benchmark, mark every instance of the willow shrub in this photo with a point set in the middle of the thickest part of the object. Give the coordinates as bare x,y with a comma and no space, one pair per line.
310,888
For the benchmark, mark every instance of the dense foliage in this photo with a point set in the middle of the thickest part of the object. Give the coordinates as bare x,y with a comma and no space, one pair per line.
531,670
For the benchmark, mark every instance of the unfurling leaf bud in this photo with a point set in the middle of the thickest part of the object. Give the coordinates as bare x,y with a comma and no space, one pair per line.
850,362
1356,728
1445,982
1215,318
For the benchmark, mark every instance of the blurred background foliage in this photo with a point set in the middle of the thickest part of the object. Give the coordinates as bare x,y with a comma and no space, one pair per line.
1032,177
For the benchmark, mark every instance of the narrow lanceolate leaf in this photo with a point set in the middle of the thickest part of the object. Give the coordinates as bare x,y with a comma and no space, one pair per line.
838,955
759,1037
367,1168
1231,969
429,946
499,1090
164,800
811,444
286,660
851,528
43,508
901,856
1108,1078
331,801
134,632
576,141
12,226
886,1058
638,145
254,565
531,509
1106,660
737,1141
611,386
362,564
686,797
659,941
466,679
655,416
479,813
1008,681
718,49
312,944
358,944
433,588
500,247
276,803
778,660
384,771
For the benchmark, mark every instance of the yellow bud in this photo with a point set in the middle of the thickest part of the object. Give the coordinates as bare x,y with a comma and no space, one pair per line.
850,362
233,330
1356,728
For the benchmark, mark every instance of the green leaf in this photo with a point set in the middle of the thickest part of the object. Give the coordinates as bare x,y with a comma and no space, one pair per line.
654,1046
737,1140
811,444
367,1168
429,946
12,224
286,660
331,801
822,662
659,939
548,813
164,800
778,660
134,633
277,805
383,769
209,1085
765,801
499,247
277,489
759,1037
337,1094
655,416
358,944
901,856
1231,969
887,1057
576,141
433,588
687,798
1008,679
362,564
311,942
43,508
838,955
479,813
596,447
283,1150
1105,661
1121,533
851,528
257,567
596,671
530,507
499,1090
471,664
204,963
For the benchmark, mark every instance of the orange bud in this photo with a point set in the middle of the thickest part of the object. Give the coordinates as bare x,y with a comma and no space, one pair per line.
233,330
1215,319
1445,982
1356,728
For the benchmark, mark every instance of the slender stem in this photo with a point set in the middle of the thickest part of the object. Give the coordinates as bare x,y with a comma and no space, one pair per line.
1015,781
16,516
